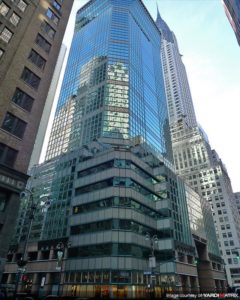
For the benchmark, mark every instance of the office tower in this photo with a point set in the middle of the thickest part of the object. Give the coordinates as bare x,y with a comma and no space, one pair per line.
232,10
31,33
102,102
205,173
180,105
237,200
114,194
205,239
106,197
194,159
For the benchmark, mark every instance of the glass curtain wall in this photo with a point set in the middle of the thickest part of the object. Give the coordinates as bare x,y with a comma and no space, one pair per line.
113,85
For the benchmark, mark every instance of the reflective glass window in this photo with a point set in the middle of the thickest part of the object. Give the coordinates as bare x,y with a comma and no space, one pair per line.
6,35
43,43
56,5
14,125
37,59
48,29
4,9
14,19
8,155
22,99
22,5
30,78
52,16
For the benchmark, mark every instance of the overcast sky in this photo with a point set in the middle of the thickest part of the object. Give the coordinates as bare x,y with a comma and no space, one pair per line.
212,58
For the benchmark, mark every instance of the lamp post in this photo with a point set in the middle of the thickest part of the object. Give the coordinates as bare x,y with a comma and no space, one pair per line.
33,206
60,256
152,262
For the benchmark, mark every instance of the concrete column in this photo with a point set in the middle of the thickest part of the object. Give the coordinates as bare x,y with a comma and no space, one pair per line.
194,284
51,254
39,255
188,284
48,284
9,280
205,275
35,284
218,285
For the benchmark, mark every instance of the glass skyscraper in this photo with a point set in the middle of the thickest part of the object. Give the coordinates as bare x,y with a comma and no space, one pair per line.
113,85
115,195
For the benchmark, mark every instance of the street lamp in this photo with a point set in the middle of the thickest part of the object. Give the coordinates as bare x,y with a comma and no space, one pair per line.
60,256
152,261
45,202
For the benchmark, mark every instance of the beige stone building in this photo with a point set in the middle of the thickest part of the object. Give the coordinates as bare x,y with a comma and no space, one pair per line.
31,33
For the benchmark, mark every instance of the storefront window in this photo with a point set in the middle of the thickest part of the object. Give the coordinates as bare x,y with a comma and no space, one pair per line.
121,277
106,276
98,276
85,277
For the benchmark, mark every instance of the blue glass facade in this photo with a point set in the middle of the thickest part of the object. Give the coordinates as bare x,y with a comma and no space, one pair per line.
113,84
116,201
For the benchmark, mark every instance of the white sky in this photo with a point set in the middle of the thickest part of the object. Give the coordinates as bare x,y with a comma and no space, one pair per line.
212,59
